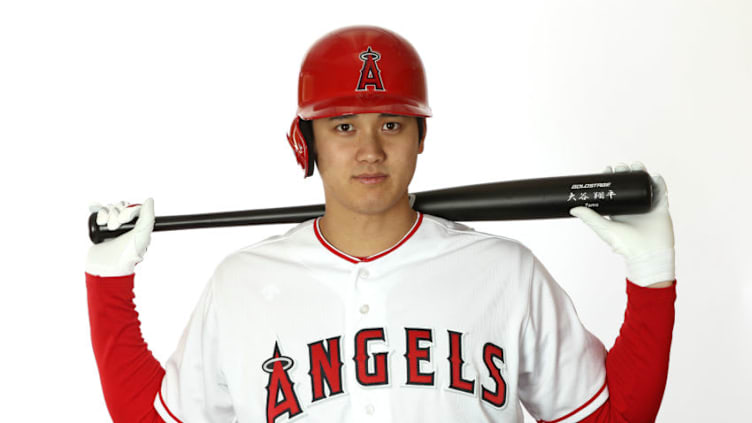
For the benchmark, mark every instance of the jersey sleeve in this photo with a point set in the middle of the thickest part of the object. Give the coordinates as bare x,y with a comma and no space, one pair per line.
193,388
563,366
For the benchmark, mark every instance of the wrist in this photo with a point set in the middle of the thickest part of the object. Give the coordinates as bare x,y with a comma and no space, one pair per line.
652,268
108,271
664,284
103,261
94,279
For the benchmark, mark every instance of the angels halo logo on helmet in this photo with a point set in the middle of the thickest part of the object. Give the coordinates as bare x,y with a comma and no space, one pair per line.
370,71
356,69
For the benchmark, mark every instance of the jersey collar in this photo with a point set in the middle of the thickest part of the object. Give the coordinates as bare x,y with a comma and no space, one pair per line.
353,259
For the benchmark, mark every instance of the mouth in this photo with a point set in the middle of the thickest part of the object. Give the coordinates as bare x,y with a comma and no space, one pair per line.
370,178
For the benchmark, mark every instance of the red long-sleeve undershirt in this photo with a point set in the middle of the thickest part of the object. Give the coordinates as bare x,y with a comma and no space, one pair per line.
636,366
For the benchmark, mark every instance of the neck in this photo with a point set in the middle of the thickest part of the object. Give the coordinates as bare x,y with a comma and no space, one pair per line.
363,235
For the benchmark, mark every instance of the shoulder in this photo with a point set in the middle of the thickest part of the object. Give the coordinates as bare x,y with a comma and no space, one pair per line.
460,244
459,234
503,263
280,249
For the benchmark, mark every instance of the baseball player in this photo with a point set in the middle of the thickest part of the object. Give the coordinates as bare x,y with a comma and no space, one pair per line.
375,312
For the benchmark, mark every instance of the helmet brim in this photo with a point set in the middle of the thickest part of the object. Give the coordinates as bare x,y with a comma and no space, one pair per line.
366,102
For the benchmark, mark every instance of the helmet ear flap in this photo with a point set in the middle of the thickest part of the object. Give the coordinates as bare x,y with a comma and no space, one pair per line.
301,140
306,129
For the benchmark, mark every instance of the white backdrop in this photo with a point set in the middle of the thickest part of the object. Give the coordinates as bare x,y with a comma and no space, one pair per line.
189,102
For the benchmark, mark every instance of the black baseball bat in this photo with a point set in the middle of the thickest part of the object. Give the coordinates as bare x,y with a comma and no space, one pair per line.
541,198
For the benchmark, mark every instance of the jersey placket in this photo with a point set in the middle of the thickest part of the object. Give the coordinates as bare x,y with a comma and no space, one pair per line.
365,310
365,305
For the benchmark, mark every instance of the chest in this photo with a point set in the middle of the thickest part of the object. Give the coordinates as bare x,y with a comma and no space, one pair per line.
369,342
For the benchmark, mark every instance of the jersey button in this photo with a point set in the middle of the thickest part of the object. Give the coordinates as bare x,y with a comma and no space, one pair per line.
370,409
363,274
364,309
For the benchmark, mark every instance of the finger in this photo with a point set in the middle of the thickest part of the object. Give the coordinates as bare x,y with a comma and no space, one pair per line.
94,207
144,226
113,221
660,182
146,216
129,213
121,205
621,167
101,212
638,166
103,215
590,217
660,192
608,170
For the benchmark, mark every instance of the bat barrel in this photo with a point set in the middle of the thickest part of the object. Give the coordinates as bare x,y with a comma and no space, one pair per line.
543,198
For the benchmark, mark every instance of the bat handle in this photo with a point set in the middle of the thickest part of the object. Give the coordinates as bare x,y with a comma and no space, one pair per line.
98,233
297,214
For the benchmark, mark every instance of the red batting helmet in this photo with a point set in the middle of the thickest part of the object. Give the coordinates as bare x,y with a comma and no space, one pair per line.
357,69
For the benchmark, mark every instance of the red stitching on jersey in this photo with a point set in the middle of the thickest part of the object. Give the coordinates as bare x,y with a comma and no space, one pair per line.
412,231
578,409
326,244
167,409
365,259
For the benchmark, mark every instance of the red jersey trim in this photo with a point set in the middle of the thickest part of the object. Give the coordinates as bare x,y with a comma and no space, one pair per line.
353,259
579,408
167,409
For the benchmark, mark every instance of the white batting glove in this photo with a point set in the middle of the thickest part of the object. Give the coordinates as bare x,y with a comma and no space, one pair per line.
119,256
645,240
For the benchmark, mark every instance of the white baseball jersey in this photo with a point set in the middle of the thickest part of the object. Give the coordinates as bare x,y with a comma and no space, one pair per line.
448,325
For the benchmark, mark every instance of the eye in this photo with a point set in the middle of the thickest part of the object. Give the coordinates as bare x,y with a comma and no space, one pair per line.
343,127
392,126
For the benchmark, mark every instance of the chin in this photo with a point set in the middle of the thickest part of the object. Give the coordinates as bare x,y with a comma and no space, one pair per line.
378,205
370,209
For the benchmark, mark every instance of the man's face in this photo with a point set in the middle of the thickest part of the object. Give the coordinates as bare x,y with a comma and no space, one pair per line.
366,161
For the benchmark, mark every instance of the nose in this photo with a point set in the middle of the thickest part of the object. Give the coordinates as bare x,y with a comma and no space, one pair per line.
370,148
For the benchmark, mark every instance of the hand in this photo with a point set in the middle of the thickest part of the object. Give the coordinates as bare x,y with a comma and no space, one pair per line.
119,256
645,240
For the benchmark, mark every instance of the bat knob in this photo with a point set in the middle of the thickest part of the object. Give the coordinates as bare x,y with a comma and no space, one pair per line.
94,234
100,233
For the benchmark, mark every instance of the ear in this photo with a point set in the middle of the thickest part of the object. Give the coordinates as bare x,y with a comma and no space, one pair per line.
422,142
